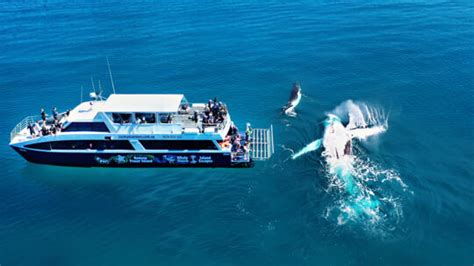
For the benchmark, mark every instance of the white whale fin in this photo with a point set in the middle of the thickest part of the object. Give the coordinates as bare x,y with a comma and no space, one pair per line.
363,133
308,148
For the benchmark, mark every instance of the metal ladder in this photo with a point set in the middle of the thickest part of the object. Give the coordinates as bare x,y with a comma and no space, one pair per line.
261,143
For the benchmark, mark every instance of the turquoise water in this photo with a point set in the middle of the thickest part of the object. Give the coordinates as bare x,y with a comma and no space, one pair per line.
413,60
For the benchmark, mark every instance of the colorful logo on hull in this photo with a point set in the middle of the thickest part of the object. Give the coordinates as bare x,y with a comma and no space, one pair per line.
155,159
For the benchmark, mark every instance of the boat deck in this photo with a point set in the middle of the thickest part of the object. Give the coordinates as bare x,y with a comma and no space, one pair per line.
185,119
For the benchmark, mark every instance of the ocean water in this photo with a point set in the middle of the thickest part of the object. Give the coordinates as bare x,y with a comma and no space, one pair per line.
412,61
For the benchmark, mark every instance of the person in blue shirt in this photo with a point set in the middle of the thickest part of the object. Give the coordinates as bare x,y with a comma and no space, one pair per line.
55,113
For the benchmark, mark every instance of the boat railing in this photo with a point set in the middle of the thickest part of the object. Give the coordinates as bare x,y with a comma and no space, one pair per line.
22,125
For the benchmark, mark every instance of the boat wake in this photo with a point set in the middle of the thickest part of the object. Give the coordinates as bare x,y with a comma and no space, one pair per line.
363,190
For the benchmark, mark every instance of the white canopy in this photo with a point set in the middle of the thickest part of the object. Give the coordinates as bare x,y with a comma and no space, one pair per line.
143,103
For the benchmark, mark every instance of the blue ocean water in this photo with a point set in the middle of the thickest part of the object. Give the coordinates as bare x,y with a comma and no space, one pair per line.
412,59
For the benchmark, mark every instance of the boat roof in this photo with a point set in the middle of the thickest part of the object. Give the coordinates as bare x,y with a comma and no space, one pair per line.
86,111
161,103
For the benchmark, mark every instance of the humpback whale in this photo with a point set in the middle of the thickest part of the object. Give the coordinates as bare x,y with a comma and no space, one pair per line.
337,152
337,139
295,98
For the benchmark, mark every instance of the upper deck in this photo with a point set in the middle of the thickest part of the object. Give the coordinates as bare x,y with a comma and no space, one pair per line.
160,115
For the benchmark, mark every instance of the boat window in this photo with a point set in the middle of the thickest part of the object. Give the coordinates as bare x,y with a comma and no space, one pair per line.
145,118
83,145
178,144
121,118
86,126
165,118
39,146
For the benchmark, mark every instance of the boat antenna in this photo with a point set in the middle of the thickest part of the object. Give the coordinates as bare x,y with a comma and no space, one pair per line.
93,86
110,73
100,88
82,88
100,91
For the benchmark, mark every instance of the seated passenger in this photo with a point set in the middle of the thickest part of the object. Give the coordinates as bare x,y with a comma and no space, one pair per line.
44,131
215,109
233,130
59,127
226,144
185,107
195,117
246,147
211,119
207,110
236,144
52,129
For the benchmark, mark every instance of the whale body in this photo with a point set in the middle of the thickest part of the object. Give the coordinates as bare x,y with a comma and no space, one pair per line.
336,144
293,101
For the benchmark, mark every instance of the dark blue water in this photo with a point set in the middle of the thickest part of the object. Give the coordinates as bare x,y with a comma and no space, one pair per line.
413,60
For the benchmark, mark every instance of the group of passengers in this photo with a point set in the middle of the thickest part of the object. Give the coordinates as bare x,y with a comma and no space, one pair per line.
236,142
214,112
46,126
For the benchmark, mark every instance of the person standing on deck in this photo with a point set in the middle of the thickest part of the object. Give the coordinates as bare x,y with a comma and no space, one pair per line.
248,132
43,114
37,128
31,128
55,113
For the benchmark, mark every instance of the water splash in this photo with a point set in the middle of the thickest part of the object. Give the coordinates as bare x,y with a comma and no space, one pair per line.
359,184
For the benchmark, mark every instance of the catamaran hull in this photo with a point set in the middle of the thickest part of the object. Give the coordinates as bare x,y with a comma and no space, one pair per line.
102,159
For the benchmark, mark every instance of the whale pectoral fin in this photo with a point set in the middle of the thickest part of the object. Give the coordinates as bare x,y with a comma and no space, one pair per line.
363,133
308,148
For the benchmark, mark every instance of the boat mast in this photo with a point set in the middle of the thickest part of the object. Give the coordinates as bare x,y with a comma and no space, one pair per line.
110,73
93,86
100,88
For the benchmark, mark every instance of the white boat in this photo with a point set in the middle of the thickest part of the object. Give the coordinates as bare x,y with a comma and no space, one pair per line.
141,130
